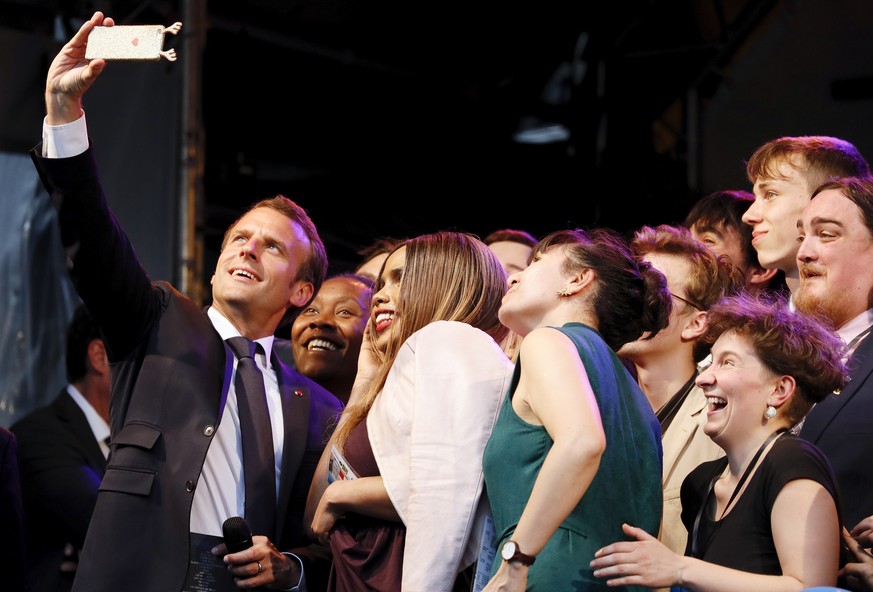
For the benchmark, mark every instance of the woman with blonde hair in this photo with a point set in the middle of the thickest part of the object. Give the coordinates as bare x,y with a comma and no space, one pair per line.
404,507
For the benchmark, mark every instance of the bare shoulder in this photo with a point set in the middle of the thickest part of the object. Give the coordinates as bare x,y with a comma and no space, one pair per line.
545,339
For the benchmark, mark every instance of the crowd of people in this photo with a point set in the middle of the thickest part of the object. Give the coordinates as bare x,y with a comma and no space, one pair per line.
687,408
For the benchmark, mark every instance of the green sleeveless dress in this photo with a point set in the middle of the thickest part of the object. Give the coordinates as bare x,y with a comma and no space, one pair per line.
627,487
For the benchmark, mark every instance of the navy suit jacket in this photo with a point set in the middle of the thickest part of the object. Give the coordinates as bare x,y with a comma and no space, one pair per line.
842,427
61,468
12,525
170,377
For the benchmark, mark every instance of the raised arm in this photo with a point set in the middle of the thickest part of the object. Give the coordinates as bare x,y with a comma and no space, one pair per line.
71,75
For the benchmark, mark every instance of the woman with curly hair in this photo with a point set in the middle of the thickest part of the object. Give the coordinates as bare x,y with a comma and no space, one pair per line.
764,517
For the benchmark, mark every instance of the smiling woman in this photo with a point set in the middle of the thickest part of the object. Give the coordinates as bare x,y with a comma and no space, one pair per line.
408,448
326,336
769,367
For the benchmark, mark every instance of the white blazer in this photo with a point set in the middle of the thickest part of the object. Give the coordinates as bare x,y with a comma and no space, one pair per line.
428,429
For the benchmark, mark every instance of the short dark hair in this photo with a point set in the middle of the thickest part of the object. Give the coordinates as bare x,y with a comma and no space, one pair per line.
381,245
512,235
725,209
631,296
81,331
857,190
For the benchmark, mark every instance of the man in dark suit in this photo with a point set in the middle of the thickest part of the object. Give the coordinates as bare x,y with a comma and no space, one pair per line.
12,547
175,472
62,453
834,260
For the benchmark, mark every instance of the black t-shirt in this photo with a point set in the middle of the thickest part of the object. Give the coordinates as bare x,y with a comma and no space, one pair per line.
743,539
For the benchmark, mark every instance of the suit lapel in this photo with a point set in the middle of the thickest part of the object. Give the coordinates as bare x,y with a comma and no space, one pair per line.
69,412
821,416
681,430
295,414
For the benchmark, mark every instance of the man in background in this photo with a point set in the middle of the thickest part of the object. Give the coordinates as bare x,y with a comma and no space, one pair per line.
835,259
666,363
716,220
512,246
62,450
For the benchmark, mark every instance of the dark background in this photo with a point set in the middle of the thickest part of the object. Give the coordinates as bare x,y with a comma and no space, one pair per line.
398,117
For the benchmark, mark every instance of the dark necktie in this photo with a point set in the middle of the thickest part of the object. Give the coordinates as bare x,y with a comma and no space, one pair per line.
259,466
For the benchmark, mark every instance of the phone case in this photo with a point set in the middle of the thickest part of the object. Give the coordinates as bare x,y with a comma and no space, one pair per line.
142,43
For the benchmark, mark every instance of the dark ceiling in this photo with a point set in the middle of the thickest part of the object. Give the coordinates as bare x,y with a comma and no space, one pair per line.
399,117
395,118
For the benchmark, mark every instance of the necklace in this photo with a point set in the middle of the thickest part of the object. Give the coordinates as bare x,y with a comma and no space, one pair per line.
696,550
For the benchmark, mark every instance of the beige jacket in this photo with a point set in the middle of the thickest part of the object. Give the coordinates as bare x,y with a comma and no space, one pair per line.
685,446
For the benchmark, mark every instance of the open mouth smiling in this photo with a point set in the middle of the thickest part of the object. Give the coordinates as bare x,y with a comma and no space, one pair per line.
321,344
383,320
715,403
239,272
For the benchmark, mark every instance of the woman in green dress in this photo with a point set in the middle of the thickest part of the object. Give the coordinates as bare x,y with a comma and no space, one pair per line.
576,448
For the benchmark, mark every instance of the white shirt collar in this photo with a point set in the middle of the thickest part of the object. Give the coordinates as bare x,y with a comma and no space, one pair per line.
856,326
227,330
97,423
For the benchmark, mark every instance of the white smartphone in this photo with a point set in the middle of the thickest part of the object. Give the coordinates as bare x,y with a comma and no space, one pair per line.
131,43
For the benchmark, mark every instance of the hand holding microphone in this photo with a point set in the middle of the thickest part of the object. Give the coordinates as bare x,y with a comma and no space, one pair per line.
238,536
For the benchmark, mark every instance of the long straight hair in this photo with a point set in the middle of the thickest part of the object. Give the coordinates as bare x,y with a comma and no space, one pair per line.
448,276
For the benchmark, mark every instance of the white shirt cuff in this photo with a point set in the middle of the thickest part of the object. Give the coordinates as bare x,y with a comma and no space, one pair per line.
64,141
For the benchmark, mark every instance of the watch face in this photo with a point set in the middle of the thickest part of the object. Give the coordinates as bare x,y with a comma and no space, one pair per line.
508,550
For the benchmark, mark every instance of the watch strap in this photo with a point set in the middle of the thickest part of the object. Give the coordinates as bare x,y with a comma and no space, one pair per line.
518,556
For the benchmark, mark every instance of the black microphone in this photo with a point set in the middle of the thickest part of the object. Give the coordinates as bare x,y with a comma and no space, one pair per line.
237,534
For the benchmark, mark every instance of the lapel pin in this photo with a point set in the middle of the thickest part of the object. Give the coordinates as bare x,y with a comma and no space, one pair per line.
298,393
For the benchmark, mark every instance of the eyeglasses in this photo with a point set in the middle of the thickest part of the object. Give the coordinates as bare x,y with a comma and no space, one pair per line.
688,302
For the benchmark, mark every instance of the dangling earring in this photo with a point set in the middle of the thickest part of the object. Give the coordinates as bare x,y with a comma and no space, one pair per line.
565,291
770,413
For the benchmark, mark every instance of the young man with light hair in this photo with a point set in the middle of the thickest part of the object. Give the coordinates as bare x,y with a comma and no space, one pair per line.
784,172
